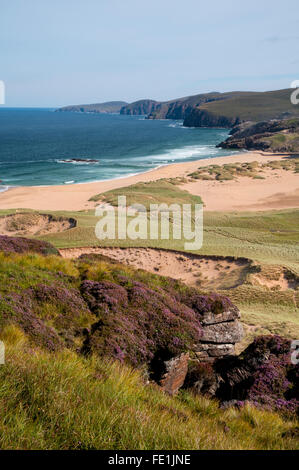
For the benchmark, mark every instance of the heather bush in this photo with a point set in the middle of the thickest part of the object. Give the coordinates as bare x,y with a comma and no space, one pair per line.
215,303
18,309
135,322
24,245
263,375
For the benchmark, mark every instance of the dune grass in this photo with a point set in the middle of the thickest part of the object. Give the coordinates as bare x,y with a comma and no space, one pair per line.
63,401
255,170
152,192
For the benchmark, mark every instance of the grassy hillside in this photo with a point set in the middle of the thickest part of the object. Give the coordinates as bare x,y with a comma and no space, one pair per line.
219,109
255,106
53,397
70,402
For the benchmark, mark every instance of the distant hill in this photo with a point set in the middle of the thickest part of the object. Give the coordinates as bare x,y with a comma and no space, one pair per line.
220,109
140,107
108,107
234,108
206,109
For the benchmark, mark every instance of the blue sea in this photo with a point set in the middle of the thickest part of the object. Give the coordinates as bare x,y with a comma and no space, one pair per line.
37,146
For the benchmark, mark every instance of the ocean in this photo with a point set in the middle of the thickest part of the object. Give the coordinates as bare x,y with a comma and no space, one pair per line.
40,146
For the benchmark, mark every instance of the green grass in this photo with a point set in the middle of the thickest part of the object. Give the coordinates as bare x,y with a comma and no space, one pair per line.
64,401
253,106
154,192
268,237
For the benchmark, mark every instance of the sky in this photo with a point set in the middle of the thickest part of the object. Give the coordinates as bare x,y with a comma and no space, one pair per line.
60,52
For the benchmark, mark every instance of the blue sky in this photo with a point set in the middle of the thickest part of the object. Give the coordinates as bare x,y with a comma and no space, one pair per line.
59,52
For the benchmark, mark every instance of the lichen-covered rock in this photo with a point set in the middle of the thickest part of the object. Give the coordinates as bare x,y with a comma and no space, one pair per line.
215,350
227,332
210,318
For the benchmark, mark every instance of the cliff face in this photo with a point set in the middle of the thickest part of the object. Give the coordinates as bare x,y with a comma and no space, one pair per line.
202,118
141,107
182,107
276,136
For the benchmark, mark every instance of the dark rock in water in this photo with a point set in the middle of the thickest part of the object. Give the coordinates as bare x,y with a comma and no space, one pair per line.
24,245
175,373
80,160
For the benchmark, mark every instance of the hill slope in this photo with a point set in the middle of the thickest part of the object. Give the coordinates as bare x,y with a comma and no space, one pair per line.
219,109
54,397
108,107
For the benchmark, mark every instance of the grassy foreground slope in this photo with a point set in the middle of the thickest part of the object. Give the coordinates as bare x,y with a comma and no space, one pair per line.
68,402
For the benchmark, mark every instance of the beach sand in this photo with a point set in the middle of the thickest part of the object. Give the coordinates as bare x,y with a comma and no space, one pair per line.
280,189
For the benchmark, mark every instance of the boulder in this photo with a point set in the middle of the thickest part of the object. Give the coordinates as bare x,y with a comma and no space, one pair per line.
176,371
222,333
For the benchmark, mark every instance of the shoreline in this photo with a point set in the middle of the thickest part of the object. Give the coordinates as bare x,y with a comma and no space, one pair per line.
74,197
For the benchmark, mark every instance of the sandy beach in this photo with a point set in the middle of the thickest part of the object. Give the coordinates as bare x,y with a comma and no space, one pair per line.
280,189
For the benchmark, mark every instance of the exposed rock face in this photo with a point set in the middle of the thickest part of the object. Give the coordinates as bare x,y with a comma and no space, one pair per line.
222,333
141,107
181,108
275,135
262,375
219,319
175,373
202,118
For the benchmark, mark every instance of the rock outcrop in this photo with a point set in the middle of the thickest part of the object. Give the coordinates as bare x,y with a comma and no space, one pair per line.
175,374
262,375
275,135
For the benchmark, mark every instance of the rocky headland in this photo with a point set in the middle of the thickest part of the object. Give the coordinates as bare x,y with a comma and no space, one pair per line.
280,136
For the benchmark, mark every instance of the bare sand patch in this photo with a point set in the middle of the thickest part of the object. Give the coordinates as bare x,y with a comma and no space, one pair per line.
195,270
207,272
279,190
275,278
23,224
